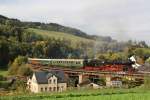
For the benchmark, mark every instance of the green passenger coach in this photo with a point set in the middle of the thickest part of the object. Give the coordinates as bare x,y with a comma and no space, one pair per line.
58,62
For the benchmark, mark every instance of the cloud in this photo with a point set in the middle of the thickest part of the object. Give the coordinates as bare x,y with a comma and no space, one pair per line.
117,18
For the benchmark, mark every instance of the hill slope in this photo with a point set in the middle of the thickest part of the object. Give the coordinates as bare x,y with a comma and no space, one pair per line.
61,35
52,27
35,39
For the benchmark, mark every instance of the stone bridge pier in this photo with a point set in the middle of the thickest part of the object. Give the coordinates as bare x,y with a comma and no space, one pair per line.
82,78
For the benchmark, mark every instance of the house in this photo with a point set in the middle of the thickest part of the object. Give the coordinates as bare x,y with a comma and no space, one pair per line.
88,84
47,81
113,82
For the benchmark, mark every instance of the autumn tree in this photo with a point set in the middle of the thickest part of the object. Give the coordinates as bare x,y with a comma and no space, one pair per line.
16,65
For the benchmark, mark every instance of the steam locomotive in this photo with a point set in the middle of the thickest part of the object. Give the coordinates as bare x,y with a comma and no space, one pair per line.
110,66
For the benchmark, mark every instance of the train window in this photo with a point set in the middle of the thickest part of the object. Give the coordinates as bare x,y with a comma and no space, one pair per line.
125,68
78,62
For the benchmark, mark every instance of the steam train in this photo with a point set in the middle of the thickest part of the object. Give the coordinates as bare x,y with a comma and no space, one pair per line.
87,64
109,66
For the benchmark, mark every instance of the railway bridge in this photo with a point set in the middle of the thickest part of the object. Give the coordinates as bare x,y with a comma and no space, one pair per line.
82,75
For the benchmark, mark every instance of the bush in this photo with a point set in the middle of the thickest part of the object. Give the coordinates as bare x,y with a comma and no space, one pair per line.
18,62
147,82
19,86
24,70
4,84
2,78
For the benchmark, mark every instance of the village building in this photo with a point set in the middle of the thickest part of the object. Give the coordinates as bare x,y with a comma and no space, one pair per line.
88,84
47,81
113,82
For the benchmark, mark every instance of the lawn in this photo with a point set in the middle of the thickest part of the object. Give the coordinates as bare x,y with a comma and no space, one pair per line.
3,72
103,94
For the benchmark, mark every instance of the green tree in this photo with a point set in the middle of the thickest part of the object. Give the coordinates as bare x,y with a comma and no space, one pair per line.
24,70
147,82
4,52
20,60
148,60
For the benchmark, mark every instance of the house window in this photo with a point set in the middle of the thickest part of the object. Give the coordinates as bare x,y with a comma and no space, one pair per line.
62,87
50,89
54,88
45,88
50,81
58,88
54,81
41,89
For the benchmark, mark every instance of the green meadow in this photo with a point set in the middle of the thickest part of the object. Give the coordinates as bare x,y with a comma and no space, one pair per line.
3,72
86,94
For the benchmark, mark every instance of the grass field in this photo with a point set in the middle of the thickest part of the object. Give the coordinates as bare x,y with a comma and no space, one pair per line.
103,94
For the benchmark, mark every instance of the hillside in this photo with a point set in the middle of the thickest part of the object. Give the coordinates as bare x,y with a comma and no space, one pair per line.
32,40
61,35
52,27
42,40
58,28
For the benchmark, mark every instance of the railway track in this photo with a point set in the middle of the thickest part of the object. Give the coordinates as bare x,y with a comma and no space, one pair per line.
81,71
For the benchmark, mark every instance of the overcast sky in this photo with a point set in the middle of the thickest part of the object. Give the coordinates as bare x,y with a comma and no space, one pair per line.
121,19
